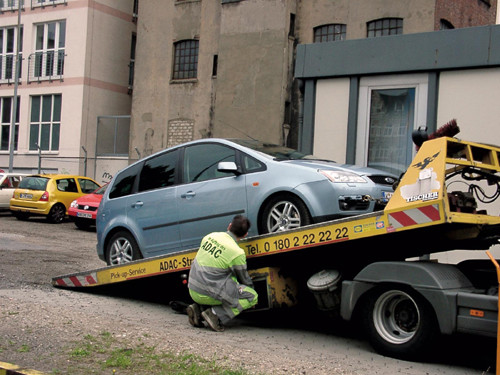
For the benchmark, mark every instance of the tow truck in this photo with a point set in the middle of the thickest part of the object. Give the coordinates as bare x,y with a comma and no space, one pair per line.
374,267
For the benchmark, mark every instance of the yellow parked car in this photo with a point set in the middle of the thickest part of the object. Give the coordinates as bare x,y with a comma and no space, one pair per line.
49,195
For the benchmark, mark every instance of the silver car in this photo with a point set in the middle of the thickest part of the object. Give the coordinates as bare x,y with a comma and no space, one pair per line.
170,200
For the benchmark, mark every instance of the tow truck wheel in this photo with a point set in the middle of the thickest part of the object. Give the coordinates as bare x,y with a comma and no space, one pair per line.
400,323
122,248
284,212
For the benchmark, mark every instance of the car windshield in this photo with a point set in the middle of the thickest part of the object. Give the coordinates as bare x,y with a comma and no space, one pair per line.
34,183
101,190
275,151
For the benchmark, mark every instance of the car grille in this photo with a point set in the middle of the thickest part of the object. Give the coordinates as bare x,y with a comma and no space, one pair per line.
382,180
86,208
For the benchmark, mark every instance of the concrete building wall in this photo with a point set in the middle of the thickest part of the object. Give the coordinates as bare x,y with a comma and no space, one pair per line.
246,95
254,71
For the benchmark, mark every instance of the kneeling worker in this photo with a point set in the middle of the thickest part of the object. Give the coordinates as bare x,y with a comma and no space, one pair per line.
219,280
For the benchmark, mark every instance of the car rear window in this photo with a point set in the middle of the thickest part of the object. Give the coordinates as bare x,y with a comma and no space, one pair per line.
34,183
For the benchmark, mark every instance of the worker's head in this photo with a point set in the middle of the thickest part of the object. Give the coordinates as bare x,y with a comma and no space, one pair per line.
239,226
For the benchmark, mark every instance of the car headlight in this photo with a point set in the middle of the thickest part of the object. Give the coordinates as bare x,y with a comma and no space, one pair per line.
342,176
74,204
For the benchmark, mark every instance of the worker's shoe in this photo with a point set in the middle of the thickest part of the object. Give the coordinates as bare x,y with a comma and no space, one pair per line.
212,320
194,314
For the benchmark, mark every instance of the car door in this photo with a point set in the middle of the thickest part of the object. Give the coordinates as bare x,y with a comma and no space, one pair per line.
67,191
208,199
8,183
153,209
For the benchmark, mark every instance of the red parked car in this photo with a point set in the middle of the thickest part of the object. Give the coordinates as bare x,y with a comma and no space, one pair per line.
83,210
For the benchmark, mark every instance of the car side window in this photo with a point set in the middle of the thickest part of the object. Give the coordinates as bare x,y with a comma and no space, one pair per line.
87,186
124,182
159,171
201,161
14,181
67,184
252,165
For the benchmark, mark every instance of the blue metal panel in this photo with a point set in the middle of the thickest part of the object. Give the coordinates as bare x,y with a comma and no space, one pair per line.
440,50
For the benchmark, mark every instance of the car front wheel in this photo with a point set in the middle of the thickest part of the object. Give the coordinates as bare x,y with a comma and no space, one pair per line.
122,248
284,212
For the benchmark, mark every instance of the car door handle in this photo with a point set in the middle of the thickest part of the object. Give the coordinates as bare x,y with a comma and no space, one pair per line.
137,204
188,195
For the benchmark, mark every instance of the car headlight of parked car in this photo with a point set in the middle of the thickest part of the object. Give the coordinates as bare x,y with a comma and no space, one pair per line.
342,176
74,204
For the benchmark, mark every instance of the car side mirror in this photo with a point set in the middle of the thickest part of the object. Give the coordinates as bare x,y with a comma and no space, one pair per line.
228,167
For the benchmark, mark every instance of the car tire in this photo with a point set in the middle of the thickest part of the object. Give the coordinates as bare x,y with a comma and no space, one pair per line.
283,212
82,224
122,248
20,215
399,322
57,214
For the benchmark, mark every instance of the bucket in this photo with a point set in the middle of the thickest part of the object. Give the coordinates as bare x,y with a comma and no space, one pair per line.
323,285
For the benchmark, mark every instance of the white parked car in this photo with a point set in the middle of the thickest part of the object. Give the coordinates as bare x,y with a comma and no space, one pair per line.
8,183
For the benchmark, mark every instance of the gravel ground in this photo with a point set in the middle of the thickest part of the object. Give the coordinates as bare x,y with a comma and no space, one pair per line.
39,323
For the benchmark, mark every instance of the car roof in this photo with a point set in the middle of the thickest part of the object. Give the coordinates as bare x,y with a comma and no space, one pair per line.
14,174
59,175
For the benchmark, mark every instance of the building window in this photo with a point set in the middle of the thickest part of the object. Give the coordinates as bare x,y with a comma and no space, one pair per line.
132,63
445,25
48,60
135,12
8,39
390,108
215,65
6,109
44,3
385,26
45,124
113,135
329,33
291,31
185,59
12,5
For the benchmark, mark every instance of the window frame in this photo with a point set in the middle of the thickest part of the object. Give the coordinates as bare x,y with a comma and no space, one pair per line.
8,58
420,82
7,124
47,61
43,124
182,70
324,32
380,28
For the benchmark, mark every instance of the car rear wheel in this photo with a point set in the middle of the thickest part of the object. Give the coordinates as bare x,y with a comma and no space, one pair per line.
57,214
122,248
284,212
20,215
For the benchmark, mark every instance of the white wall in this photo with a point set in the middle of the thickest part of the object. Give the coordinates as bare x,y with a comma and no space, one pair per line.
331,112
471,97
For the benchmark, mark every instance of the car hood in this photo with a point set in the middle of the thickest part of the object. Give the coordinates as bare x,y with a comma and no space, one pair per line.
90,200
330,165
